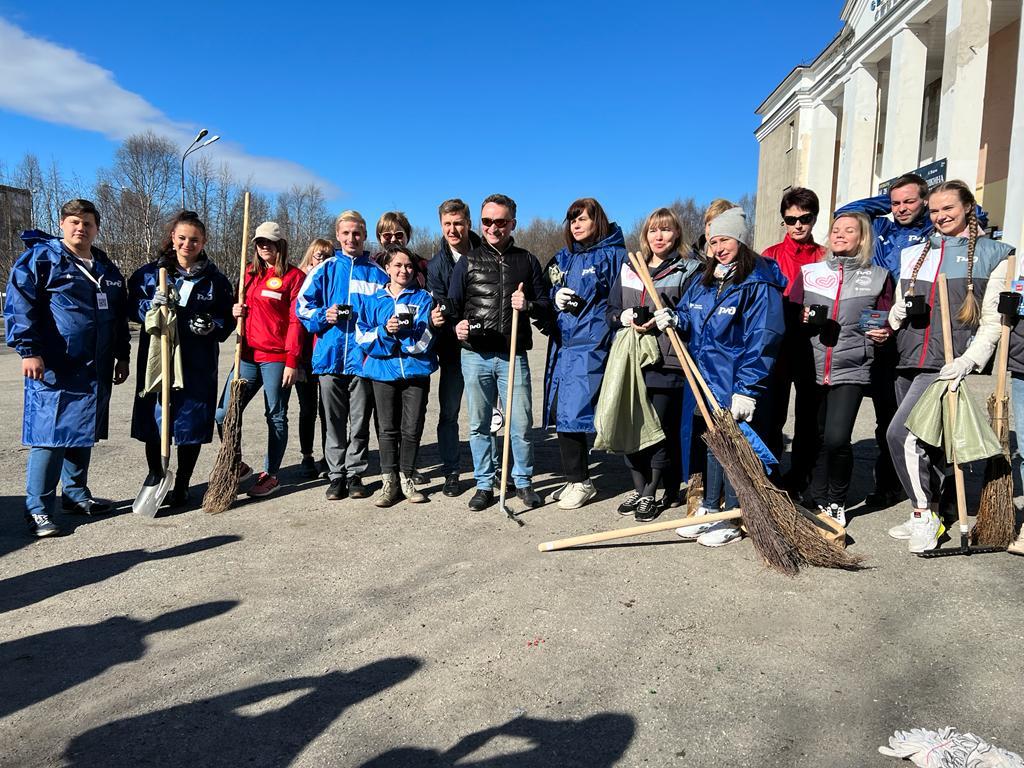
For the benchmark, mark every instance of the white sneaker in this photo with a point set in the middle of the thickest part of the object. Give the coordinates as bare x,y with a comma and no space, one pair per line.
925,530
691,532
902,531
720,534
838,513
558,494
577,495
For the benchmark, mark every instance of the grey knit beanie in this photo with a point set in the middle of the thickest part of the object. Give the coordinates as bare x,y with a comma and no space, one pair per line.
732,223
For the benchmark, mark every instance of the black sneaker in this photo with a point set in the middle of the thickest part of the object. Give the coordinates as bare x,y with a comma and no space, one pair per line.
309,468
89,507
452,487
179,498
672,499
322,472
42,525
529,497
418,478
336,490
482,499
629,504
646,510
356,489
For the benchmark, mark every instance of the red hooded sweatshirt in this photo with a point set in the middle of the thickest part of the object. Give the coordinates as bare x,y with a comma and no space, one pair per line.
790,256
273,333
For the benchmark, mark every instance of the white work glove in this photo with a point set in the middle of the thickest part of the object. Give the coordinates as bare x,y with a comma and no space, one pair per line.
161,299
742,407
562,295
897,314
956,371
665,318
626,318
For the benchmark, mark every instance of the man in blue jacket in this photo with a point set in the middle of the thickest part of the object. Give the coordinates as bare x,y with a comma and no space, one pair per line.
328,305
67,316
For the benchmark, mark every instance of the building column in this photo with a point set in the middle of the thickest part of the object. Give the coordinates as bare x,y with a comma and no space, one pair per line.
1013,225
821,159
901,148
860,122
964,65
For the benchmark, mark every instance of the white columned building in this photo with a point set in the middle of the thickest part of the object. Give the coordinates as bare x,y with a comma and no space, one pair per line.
907,85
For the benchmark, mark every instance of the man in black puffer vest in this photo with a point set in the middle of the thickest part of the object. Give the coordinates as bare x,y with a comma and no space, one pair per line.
486,285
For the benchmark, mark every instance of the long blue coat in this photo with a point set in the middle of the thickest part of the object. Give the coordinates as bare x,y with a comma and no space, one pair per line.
205,291
579,344
54,310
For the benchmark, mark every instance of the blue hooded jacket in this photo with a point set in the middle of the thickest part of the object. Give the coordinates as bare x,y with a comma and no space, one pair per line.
579,344
402,356
338,280
734,336
206,291
77,321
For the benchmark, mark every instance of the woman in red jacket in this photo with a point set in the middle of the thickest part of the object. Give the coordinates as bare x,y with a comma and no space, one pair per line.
272,346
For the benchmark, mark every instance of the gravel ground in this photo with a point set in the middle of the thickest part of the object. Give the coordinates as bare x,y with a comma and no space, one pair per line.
297,631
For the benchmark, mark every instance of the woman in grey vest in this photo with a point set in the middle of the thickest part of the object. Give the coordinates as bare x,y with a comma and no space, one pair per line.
846,301
975,268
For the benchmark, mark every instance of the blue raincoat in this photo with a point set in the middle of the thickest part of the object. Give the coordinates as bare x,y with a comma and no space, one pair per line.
205,291
579,344
76,320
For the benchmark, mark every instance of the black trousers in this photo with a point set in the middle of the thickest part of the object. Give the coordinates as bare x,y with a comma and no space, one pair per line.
575,462
837,413
883,396
662,461
310,405
188,455
401,411
794,369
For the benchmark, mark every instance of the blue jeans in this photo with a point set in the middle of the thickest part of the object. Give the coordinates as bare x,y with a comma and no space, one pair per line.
715,483
48,465
275,397
486,382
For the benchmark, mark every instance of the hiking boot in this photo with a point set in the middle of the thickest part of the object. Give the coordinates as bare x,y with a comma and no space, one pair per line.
90,507
903,530
692,532
336,490
530,498
390,492
265,485
647,509
452,487
629,504
408,484
356,489
244,472
837,512
482,499
925,530
309,468
720,534
42,525
577,495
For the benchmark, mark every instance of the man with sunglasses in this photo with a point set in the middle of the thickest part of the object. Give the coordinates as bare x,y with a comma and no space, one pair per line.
794,367
487,284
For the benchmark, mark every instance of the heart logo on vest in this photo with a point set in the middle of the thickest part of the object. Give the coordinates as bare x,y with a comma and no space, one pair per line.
823,280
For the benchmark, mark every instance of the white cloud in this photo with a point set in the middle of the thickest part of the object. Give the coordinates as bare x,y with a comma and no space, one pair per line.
44,81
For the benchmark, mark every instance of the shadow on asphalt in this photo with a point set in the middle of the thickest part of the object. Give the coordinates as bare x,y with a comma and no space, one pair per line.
214,732
598,741
34,668
36,586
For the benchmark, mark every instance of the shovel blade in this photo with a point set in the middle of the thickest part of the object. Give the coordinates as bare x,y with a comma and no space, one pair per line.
148,502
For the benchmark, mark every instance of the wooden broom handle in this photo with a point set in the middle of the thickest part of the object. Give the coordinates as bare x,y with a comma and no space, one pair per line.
947,350
637,530
507,438
1003,360
240,323
689,369
165,378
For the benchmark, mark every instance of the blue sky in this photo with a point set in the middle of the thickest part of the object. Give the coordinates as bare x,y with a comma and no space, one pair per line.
400,104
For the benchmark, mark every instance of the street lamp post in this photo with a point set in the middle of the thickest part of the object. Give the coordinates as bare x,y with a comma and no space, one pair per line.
195,146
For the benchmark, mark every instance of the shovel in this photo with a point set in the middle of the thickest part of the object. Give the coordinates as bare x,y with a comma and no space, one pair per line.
148,502
508,410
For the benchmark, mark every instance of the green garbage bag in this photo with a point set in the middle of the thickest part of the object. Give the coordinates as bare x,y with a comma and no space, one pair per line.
624,418
970,439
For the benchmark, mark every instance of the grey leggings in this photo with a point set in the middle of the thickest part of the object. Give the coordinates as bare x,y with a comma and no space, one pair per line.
920,467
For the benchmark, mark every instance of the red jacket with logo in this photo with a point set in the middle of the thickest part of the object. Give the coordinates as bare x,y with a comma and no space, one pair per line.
273,333
790,256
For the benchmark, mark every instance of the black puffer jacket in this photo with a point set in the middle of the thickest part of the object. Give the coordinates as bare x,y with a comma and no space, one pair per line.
482,285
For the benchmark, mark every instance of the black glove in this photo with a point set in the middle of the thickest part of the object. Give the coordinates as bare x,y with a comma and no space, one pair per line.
201,324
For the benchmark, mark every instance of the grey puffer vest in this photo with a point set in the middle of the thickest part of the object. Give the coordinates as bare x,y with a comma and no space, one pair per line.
842,351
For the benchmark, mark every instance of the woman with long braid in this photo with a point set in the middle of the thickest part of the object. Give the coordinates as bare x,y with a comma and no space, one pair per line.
975,268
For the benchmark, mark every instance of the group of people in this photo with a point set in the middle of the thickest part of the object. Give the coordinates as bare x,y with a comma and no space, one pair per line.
360,336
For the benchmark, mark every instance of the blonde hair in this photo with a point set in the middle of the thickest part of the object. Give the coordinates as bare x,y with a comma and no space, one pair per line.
391,221
320,244
355,216
716,208
660,217
866,249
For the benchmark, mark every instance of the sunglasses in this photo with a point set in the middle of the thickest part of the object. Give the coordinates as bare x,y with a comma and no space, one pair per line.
321,256
387,237
807,218
499,223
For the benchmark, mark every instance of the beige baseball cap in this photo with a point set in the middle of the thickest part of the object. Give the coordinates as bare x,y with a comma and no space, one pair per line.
269,230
